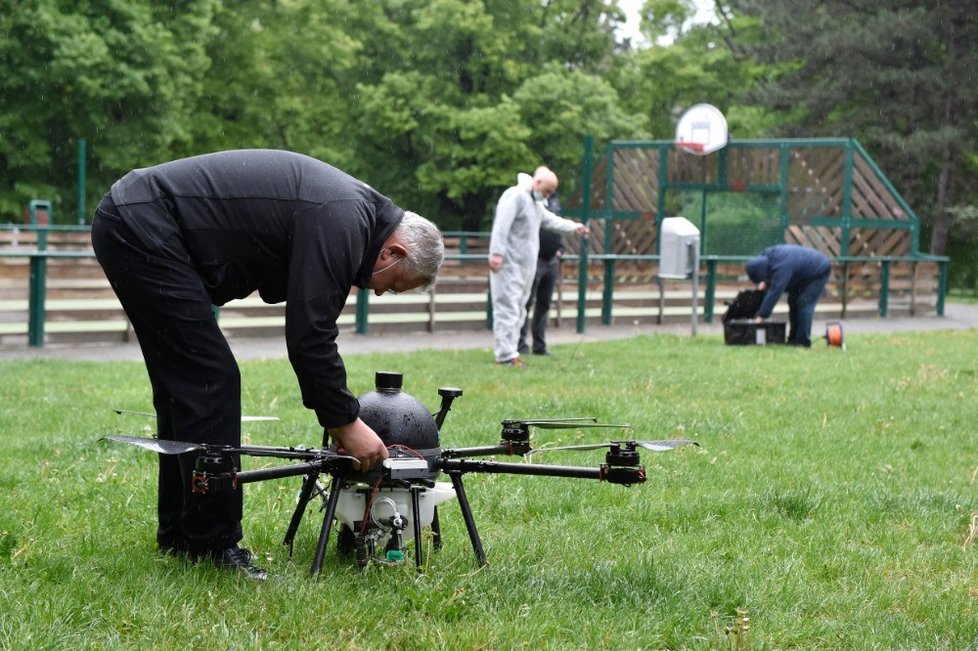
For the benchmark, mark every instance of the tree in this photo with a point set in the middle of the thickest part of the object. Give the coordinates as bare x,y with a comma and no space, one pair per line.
894,75
124,74
464,94
279,77
686,63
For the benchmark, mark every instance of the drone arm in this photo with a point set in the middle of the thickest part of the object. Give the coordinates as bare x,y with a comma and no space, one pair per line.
278,472
505,448
615,475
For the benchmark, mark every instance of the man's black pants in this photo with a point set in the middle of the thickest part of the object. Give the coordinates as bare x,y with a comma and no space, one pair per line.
195,378
541,295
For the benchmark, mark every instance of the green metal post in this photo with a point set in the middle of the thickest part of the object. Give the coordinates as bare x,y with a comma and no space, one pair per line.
784,160
703,211
941,286
489,309
660,204
609,193
363,298
711,289
722,167
585,242
81,182
847,198
35,320
609,290
885,288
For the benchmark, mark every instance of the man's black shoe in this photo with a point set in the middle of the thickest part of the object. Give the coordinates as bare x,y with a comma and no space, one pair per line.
239,558
547,353
233,558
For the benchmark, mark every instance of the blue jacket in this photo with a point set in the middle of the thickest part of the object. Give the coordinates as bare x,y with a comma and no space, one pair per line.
786,268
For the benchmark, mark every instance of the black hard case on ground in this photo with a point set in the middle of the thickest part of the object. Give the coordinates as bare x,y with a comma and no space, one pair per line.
739,327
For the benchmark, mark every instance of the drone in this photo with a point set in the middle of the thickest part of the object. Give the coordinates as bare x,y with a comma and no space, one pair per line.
379,509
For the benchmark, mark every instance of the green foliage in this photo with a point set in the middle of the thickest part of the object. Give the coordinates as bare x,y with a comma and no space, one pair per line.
124,75
894,75
830,506
440,103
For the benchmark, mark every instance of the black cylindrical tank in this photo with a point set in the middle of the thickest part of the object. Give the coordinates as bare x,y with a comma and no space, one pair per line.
397,417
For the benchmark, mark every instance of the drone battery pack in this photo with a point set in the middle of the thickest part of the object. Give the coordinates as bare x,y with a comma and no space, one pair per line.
747,332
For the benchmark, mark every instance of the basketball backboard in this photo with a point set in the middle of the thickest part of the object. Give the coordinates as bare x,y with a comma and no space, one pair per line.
702,130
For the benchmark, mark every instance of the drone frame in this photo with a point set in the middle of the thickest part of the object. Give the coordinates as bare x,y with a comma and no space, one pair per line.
215,471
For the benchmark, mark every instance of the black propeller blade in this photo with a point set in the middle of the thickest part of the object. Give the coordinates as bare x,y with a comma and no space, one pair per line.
181,447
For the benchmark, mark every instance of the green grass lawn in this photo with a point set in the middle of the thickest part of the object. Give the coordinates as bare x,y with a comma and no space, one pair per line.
831,505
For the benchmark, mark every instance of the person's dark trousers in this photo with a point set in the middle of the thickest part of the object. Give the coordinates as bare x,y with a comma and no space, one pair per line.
541,295
195,378
801,309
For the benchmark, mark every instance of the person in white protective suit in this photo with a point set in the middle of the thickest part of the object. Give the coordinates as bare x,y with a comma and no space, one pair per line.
513,247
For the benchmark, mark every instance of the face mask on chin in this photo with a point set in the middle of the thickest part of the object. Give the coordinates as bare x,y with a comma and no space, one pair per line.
538,196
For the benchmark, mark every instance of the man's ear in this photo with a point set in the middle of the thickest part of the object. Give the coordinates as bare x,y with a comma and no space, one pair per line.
397,249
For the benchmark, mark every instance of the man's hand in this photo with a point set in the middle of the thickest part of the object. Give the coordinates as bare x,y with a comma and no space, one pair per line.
495,262
358,440
582,229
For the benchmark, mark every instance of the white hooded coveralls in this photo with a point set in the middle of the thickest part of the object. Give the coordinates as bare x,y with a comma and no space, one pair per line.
516,237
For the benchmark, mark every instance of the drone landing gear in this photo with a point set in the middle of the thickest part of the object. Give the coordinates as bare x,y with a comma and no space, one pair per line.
363,542
463,503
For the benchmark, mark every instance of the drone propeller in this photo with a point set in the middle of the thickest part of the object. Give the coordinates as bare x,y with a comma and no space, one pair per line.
655,446
563,423
244,419
156,445
164,446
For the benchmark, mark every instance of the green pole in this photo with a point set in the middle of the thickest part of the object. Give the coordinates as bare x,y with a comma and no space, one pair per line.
35,321
363,297
660,197
884,306
847,175
607,297
711,286
585,242
81,182
784,160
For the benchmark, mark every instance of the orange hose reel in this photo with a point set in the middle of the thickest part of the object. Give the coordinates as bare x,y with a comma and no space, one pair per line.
834,335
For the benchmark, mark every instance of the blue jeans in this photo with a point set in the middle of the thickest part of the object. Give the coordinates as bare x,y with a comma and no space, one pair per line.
801,309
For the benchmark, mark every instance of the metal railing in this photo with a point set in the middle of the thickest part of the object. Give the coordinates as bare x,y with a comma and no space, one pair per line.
38,260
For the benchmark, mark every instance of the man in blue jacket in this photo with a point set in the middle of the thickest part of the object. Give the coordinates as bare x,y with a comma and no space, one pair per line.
799,271
176,238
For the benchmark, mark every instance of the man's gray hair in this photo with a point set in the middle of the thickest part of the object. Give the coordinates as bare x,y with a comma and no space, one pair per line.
425,247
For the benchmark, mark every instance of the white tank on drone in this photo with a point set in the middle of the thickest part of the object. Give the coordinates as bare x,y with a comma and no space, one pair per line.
390,503
412,436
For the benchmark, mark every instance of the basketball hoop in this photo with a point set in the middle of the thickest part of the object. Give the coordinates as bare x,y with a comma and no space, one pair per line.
701,130
690,147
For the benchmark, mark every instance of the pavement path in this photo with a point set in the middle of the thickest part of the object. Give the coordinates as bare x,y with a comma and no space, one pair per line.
956,317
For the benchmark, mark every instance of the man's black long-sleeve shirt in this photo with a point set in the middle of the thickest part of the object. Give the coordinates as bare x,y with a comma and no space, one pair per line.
287,225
